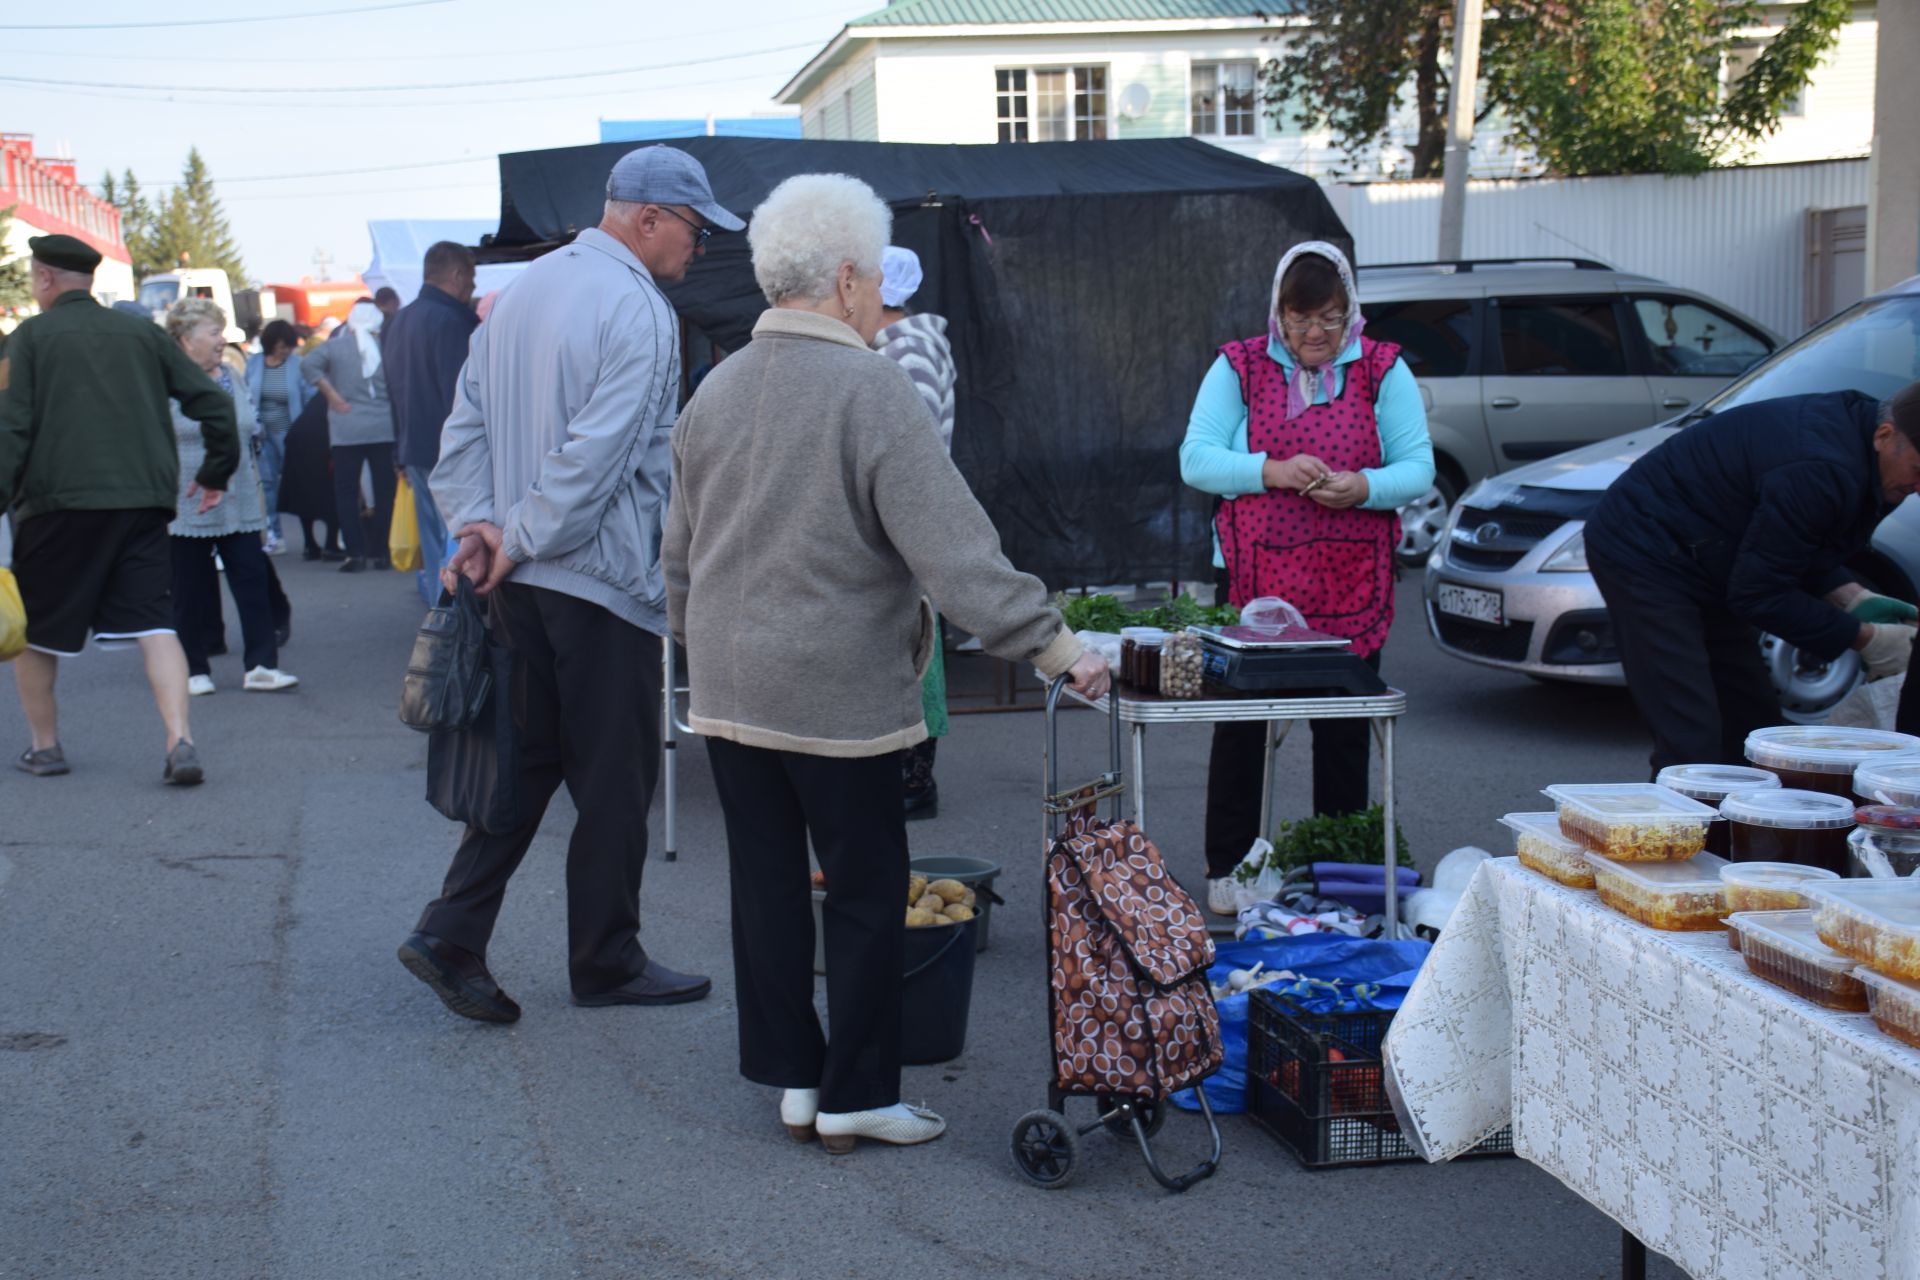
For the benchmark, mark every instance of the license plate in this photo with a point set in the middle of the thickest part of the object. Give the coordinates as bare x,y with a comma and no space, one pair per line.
1466,602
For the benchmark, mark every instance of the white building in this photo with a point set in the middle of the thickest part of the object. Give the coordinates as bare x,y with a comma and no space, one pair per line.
47,199
979,71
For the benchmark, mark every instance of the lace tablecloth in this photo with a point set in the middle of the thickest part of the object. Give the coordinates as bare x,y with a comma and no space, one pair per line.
1741,1131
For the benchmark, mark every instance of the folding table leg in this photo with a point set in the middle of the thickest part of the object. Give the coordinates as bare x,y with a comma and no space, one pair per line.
1633,1257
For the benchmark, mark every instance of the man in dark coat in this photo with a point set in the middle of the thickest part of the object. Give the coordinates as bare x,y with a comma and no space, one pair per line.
1744,523
426,344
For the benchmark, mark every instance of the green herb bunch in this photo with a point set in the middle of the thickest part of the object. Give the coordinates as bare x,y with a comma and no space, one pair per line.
1104,613
1352,837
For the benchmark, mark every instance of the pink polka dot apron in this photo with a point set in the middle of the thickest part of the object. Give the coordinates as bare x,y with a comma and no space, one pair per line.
1336,567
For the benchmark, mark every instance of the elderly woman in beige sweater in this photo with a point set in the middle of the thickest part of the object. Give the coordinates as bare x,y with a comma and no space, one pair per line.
813,509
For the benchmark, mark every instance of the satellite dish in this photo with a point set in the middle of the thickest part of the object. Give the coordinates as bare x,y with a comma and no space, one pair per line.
1134,101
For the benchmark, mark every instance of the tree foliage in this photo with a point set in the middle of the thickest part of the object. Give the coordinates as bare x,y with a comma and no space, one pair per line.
136,223
15,285
1588,86
188,228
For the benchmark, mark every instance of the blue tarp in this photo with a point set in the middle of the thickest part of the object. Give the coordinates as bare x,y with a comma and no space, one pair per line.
660,130
399,244
1370,974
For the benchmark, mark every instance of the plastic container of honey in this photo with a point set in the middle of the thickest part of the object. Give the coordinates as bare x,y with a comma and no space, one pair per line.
1895,1005
1885,841
1541,847
1789,825
1823,757
1782,947
1712,783
1675,896
1895,781
1877,922
1769,886
1632,821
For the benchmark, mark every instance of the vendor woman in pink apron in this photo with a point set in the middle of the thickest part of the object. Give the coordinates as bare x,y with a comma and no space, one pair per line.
1313,436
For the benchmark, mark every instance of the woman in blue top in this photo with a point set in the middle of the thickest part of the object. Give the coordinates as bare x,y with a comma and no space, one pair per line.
1313,437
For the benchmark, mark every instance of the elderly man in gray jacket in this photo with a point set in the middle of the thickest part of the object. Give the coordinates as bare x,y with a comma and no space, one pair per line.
553,473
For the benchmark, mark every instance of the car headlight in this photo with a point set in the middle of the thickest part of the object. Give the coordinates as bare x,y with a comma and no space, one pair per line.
1570,558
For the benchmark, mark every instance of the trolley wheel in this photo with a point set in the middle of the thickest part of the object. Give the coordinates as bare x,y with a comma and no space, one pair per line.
1152,1114
1045,1149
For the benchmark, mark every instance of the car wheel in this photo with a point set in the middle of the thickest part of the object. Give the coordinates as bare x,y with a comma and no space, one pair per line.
1808,687
1423,522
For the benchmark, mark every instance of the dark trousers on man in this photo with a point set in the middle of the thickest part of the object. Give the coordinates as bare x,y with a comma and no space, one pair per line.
1236,777
348,459
1693,668
196,597
773,801
586,705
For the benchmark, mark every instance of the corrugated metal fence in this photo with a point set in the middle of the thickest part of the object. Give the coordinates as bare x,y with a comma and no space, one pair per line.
1738,235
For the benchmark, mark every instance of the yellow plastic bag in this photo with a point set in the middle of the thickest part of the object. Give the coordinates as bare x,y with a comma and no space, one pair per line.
13,618
403,536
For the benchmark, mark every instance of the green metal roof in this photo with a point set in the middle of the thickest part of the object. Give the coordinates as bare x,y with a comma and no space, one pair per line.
962,13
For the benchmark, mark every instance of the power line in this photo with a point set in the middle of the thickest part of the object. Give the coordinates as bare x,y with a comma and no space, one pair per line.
599,46
360,191
215,22
337,173
43,82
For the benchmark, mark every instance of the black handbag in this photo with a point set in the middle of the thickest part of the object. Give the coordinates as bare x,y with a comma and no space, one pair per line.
473,772
448,675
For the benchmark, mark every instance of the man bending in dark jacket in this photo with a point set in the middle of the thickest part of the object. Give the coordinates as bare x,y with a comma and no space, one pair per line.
1744,523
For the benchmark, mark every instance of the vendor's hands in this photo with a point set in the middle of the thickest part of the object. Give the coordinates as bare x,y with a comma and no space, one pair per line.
209,498
1345,489
1870,606
1089,676
1888,648
480,558
1294,474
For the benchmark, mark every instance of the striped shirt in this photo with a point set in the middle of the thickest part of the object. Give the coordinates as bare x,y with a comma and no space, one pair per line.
919,345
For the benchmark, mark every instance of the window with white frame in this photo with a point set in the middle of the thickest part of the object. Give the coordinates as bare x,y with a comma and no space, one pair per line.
1050,104
1224,99
1740,59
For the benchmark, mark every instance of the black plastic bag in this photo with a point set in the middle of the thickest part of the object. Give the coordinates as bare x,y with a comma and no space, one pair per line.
448,675
473,772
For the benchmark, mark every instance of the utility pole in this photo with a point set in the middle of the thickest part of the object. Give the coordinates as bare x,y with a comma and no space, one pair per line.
1466,80
1893,208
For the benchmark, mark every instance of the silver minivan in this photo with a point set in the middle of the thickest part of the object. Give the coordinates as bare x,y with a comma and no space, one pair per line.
1522,359
1508,585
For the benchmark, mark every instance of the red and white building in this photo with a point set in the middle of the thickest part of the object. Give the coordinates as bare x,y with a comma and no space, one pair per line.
48,199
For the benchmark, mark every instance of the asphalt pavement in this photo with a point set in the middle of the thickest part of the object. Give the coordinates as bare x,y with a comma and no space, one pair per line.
211,1064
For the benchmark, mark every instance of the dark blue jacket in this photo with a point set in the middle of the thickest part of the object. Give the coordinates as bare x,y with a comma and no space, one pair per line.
423,348
1756,508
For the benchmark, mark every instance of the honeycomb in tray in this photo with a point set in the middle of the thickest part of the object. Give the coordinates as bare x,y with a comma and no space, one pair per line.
1674,910
1554,862
1887,946
1830,985
1630,840
1753,897
1895,1007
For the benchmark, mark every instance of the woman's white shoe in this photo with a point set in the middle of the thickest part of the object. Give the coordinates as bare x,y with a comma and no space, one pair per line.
901,1125
199,686
1223,896
798,1107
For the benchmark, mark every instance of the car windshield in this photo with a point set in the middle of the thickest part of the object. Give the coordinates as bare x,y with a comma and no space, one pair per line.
1874,348
157,295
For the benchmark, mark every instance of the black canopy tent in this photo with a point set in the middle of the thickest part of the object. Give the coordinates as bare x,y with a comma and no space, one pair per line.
1086,287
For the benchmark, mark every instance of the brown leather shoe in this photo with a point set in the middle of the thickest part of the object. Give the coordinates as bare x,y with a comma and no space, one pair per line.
656,984
459,978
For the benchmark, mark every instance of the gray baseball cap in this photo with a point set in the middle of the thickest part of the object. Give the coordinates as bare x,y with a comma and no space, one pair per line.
667,175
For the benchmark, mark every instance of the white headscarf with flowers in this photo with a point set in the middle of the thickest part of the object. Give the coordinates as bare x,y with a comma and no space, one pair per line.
1300,383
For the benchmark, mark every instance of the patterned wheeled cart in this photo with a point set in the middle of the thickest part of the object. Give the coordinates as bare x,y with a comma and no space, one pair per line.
1130,1016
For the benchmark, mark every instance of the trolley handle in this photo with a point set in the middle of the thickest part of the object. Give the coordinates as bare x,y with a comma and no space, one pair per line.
1108,785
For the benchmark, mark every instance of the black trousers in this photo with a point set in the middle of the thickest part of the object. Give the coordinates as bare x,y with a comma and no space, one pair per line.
347,461
586,702
196,597
1341,751
774,800
1693,668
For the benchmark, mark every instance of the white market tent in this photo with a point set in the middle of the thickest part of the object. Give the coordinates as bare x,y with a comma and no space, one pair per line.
399,244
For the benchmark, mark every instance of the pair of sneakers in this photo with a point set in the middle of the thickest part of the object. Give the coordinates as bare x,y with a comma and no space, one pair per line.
900,1124
258,680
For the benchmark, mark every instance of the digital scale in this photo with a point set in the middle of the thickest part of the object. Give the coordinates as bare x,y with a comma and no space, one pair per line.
1248,660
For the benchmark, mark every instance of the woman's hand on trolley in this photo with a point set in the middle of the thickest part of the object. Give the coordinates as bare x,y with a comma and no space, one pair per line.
1296,474
1340,490
1088,676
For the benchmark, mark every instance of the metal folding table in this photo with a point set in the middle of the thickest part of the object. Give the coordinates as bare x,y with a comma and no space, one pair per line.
1138,709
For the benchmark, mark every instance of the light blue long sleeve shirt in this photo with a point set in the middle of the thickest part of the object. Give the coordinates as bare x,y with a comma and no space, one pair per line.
1214,457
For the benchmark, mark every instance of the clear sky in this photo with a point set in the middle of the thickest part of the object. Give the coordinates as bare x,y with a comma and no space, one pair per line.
317,95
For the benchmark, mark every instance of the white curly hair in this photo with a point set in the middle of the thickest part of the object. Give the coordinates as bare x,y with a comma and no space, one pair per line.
807,227
188,314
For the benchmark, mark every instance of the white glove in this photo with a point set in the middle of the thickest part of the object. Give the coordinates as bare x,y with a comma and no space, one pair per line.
1887,652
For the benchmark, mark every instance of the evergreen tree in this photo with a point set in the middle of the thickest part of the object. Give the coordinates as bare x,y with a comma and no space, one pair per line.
15,292
194,224
136,223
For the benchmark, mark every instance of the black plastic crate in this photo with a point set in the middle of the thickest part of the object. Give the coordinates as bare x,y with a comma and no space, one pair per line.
1315,1081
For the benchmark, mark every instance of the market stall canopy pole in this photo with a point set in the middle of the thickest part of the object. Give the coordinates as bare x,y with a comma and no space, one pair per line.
1086,286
